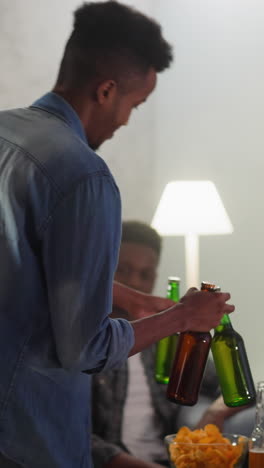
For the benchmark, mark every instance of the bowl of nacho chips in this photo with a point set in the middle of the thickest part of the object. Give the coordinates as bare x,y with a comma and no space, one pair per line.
206,448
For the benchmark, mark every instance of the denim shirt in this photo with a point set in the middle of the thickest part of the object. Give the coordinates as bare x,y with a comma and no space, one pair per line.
60,222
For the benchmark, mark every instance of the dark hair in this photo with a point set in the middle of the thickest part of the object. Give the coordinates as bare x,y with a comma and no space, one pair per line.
111,40
141,233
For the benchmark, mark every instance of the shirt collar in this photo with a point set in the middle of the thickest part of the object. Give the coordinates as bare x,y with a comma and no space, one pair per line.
55,104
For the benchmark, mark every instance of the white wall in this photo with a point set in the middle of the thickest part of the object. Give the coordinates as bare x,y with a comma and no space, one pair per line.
209,120
204,122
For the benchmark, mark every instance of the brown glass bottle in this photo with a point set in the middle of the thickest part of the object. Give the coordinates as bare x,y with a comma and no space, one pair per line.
189,363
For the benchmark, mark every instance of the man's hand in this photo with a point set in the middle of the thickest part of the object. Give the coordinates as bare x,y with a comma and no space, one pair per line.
124,460
217,413
134,305
204,310
145,305
197,311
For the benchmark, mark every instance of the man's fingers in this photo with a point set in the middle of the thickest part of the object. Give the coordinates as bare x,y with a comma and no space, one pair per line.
222,296
190,291
229,308
223,306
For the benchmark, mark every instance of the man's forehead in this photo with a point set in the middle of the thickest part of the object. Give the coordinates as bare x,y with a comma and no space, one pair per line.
134,250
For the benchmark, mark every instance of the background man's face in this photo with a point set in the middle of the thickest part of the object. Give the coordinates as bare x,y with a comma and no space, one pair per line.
137,266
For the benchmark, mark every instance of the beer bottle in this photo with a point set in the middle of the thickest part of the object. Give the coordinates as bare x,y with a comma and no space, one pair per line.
166,347
232,365
189,364
256,442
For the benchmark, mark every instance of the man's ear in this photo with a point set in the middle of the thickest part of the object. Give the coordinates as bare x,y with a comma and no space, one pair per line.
106,91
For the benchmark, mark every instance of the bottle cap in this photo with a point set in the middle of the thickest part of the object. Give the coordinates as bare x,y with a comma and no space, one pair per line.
174,279
208,286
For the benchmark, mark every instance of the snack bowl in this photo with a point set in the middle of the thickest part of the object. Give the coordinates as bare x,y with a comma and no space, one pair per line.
201,452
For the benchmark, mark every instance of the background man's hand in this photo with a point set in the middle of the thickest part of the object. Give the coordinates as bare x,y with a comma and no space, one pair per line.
125,460
217,413
133,305
146,305
202,311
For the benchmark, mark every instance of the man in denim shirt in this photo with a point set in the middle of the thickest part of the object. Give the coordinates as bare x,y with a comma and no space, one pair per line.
59,241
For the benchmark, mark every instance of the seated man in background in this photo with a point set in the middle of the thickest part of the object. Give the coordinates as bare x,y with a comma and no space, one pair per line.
131,414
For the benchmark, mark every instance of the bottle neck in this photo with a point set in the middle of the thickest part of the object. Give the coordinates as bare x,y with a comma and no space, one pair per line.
224,324
173,291
225,321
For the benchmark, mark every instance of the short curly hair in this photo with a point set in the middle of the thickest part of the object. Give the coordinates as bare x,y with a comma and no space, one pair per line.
138,232
110,38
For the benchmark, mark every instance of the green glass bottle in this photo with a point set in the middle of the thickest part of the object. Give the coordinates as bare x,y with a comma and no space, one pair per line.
232,365
166,347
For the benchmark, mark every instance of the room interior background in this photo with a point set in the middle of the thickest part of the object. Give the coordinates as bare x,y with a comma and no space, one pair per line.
205,121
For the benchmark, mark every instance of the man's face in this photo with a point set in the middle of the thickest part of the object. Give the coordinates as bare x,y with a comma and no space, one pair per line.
137,266
116,109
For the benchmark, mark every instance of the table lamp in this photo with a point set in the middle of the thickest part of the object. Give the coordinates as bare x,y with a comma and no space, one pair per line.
190,209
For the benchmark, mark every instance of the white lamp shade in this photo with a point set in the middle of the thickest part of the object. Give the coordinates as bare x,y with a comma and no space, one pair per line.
191,207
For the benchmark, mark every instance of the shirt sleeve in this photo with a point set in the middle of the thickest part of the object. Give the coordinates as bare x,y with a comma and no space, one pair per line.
80,246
